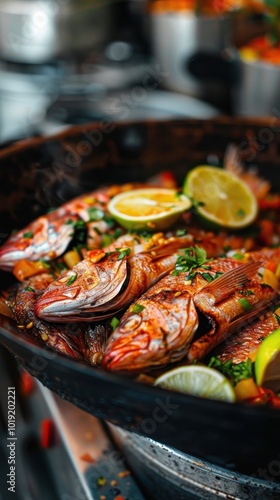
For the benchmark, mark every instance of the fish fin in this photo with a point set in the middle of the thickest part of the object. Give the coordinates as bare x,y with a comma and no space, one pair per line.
245,319
229,282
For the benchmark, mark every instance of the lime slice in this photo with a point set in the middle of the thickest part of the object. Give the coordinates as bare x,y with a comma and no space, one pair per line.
267,363
222,197
198,380
149,208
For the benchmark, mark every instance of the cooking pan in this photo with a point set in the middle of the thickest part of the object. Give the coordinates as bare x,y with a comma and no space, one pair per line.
43,172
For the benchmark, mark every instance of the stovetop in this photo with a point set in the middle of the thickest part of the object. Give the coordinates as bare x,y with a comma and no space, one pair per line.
62,453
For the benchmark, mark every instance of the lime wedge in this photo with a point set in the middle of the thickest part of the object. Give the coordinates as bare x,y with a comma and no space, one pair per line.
222,198
149,208
267,363
198,380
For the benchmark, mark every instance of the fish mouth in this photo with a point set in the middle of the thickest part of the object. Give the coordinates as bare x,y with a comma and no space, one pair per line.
9,256
57,305
121,359
126,354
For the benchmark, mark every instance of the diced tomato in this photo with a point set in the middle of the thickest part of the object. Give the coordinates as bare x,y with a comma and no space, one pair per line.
27,384
49,437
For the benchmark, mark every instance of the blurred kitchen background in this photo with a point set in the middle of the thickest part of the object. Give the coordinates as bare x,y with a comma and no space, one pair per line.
64,62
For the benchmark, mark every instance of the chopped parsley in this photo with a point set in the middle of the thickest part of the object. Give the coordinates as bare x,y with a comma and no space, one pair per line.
238,256
235,372
190,258
123,252
28,289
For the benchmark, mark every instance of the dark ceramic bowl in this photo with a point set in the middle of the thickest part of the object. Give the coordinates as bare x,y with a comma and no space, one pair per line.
44,172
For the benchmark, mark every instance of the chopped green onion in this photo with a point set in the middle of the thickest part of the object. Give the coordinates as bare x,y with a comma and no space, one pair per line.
28,234
181,232
71,279
245,304
246,292
238,256
136,308
114,323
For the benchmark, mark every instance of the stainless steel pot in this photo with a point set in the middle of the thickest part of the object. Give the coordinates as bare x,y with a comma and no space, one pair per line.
34,31
258,90
176,37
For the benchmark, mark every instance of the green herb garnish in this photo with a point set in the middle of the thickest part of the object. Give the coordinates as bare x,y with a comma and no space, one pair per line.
123,252
211,277
235,372
190,258
71,280
181,232
28,234
28,289
245,304
136,308
95,214
246,292
114,322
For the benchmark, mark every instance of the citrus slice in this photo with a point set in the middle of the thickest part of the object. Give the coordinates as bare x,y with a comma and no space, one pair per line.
267,363
198,380
148,208
221,197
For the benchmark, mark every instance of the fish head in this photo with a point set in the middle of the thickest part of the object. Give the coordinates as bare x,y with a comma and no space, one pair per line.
83,291
44,238
159,334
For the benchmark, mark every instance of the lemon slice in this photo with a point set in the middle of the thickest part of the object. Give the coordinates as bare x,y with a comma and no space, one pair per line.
222,198
267,363
198,380
149,208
